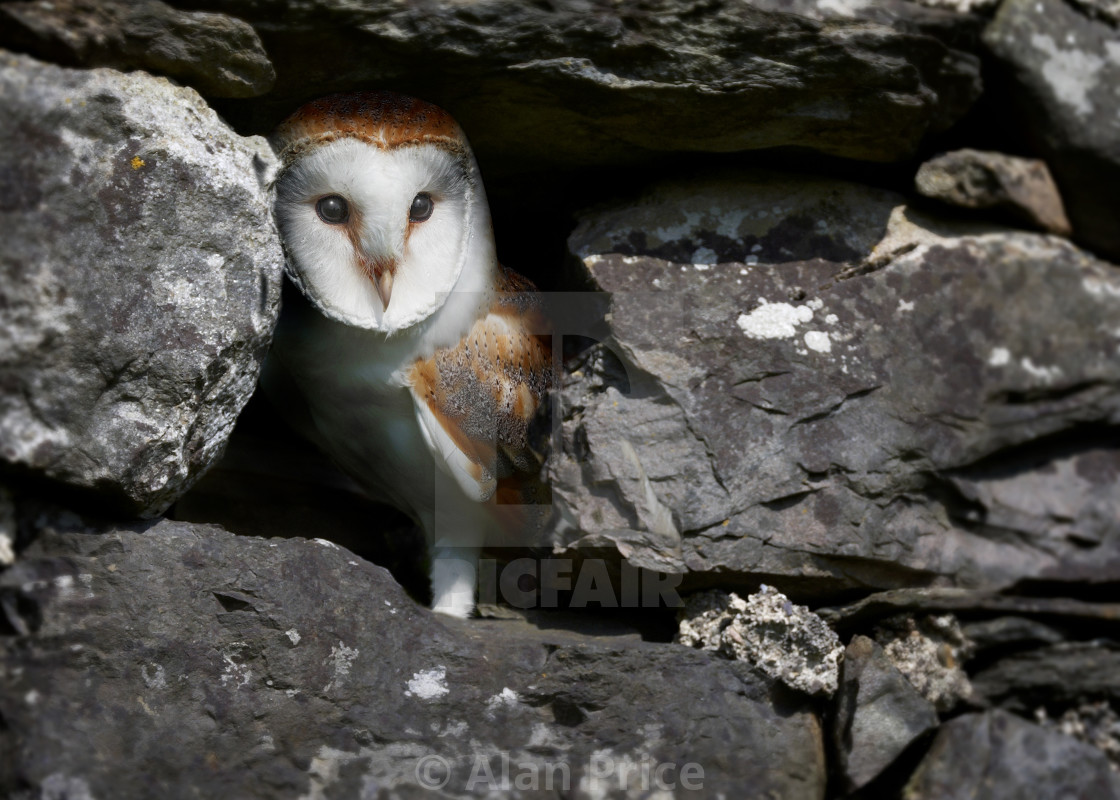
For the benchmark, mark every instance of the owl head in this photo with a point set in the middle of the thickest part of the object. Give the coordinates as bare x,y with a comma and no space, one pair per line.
380,208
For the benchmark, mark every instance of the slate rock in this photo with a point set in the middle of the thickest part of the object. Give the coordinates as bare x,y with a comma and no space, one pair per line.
179,660
879,714
1100,617
1021,189
543,85
1009,632
807,419
216,54
1095,723
1063,67
1064,673
996,755
139,281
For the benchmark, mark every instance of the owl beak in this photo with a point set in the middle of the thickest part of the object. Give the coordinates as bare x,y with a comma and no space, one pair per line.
384,285
381,271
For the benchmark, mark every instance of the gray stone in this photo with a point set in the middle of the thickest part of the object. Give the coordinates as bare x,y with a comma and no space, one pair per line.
1062,674
139,280
540,85
178,660
786,641
879,714
1063,67
930,651
1102,617
809,419
1020,189
1097,724
218,55
995,755
1003,633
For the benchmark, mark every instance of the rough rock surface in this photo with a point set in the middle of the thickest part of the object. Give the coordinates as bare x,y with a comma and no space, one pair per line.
930,652
1063,66
139,280
175,660
878,714
816,419
785,641
1021,189
616,82
1063,674
996,755
218,55
1095,723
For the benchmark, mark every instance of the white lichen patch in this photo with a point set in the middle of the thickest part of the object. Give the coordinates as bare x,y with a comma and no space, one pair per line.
774,320
455,730
1000,356
1043,373
819,341
1072,73
157,679
704,257
235,673
786,641
1100,288
340,661
428,684
293,635
505,699
930,652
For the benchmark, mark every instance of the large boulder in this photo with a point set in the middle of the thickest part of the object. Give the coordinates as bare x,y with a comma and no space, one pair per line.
540,85
781,398
216,54
1062,64
284,668
139,281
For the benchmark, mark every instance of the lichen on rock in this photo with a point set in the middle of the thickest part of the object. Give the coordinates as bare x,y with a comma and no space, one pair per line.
930,652
786,641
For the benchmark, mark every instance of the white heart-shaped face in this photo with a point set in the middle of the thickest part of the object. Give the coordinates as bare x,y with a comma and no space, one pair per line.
347,213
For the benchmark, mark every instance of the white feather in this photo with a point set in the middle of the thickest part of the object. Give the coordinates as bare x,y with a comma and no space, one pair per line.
451,459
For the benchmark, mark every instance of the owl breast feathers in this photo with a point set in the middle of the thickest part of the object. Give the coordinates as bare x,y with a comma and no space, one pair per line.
421,361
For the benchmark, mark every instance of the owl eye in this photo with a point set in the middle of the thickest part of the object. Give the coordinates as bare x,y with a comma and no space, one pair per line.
332,209
422,207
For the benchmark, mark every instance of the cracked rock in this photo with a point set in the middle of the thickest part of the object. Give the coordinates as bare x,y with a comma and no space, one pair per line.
786,641
562,84
139,281
800,397
120,684
218,55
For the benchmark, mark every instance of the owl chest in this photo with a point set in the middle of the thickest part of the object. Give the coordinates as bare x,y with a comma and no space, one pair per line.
361,412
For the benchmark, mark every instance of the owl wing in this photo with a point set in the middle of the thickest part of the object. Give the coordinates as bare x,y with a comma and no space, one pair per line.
474,401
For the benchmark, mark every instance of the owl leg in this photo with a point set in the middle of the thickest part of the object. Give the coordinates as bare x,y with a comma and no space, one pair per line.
454,575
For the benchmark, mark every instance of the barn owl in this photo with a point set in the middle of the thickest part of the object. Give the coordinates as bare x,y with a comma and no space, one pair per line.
419,361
